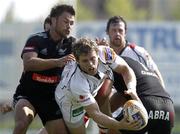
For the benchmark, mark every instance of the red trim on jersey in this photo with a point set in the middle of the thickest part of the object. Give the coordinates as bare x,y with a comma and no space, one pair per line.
132,45
81,97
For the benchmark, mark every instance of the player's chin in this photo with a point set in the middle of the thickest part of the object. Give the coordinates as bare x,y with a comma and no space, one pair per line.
118,42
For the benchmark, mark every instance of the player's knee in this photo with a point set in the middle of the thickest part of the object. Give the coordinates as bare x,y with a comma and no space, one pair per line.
21,126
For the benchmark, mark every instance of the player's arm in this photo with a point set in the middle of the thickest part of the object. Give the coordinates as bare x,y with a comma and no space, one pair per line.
108,56
100,118
32,63
128,75
5,107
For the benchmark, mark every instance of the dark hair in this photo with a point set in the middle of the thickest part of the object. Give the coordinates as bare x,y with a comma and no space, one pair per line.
47,21
115,19
59,9
84,46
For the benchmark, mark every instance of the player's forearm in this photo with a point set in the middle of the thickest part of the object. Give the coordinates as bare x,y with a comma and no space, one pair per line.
128,76
105,121
100,118
130,81
38,64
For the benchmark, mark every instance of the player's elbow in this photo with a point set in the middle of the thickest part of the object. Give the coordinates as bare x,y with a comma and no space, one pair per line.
27,65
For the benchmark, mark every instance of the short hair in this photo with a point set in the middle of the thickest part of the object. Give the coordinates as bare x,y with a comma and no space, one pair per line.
84,46
47,21
115,19
59,9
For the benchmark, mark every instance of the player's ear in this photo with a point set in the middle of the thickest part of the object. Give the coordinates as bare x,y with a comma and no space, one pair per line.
53,20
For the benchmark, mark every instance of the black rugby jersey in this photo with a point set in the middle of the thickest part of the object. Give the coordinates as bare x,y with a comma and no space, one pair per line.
46,48
147,82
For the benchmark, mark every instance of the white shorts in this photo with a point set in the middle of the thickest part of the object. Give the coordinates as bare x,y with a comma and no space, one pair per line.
73,114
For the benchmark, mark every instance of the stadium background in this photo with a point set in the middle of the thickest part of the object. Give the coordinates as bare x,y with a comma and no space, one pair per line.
153,24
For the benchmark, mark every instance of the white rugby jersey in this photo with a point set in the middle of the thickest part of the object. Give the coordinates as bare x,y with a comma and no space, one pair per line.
79,88
139,54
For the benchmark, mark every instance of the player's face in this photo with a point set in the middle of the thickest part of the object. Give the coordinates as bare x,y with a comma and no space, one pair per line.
89,62
63,24
117,34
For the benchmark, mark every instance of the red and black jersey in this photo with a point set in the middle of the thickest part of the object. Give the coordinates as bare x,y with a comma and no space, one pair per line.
148,83
46,48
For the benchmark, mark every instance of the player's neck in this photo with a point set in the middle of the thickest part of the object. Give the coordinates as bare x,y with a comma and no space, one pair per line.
117,48
55,37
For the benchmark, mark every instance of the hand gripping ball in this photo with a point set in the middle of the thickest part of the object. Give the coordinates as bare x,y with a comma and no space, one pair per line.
135,110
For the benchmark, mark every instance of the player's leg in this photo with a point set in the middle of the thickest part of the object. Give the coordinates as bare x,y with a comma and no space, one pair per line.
117,100
55,127
74,119
73,115
51,116
76,128
24,114
42,131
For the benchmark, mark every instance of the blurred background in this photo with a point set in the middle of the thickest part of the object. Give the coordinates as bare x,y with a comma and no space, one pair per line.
153,24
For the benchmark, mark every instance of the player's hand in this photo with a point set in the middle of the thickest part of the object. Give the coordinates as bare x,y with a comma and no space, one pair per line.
124,124
64,60
4,108
102,41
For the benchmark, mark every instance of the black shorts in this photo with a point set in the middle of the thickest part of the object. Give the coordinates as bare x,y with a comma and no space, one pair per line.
161,116
42,99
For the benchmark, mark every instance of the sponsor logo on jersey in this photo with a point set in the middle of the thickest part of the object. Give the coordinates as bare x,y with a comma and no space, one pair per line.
78,111
159,115
45,79
148,73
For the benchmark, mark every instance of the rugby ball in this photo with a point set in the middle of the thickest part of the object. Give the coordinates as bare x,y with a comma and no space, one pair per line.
134,110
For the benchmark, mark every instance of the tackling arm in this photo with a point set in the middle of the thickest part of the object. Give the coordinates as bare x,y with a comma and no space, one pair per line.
128,76
33,63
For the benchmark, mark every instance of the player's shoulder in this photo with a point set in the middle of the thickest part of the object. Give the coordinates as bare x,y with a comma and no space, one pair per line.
134,47
38,36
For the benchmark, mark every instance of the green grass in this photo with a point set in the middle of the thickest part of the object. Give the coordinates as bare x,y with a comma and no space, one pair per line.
7,122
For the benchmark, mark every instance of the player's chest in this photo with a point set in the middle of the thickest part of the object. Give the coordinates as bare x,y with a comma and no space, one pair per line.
95,82
52,50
